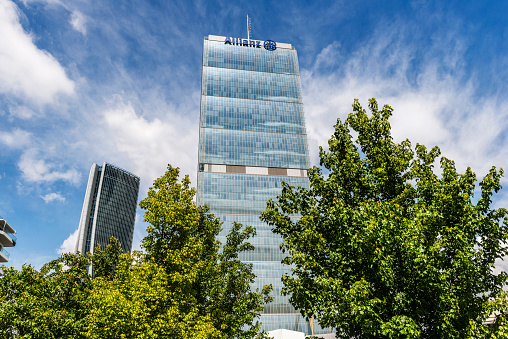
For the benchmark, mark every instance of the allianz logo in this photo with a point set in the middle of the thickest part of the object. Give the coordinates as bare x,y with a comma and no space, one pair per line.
268,44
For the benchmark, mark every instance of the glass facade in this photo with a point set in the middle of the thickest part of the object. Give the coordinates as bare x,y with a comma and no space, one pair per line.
109,208
252,115
252,138
252,148
241,194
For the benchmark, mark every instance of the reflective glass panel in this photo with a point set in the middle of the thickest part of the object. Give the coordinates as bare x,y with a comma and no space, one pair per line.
248,148
229,193
233,83
252,115
219,54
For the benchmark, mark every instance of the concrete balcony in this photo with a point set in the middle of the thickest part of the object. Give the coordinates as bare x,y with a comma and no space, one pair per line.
4,255
7,237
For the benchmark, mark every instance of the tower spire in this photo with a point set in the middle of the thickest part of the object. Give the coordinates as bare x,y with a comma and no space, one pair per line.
248,27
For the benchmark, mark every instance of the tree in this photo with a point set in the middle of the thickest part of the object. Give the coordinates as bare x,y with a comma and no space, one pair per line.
387,248
181,240
141,303
185,285
105,261
52,303
229,297
55,301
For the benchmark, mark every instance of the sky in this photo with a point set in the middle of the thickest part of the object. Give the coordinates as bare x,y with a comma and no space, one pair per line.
85,82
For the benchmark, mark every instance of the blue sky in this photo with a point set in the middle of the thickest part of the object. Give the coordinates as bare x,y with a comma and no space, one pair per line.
119,81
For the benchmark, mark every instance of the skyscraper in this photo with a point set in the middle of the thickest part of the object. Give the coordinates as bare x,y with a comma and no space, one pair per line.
7,239
109,208
252,137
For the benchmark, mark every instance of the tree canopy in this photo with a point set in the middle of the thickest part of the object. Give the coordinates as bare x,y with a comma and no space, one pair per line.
182,240
50,303
184,284
387,245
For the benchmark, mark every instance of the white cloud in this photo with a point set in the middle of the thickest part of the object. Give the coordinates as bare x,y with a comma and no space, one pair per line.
501,266
34,169
15,139
147,146
51,2
435,106
78,22
53,197
25,70
21,112
69,244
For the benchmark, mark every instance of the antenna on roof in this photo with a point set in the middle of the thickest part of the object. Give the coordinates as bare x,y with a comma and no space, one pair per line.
248,27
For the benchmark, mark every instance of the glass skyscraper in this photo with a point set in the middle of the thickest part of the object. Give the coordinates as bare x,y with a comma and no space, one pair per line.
252,137
109,208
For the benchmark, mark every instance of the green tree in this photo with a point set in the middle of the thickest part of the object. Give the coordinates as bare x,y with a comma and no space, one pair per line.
229,298
52,303
387,248
183,286
55,301
140,302
182,240
105,261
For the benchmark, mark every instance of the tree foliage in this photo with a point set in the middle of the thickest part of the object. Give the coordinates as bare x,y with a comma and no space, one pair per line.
140,303
182,240
52,303
386,247
104,261
184,285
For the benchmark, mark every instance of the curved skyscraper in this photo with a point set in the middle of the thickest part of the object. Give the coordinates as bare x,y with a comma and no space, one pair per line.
252,137
109,208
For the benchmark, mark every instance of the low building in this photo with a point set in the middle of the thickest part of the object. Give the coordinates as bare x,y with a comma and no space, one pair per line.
7,239
286,334
323,336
